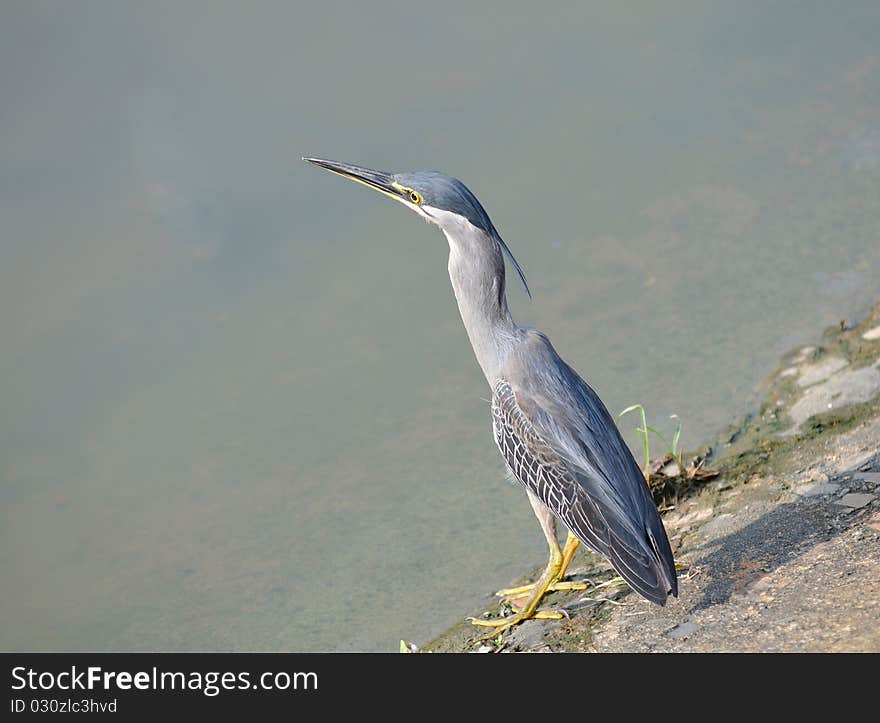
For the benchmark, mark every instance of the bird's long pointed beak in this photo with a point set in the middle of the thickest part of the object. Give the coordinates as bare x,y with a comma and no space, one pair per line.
381,181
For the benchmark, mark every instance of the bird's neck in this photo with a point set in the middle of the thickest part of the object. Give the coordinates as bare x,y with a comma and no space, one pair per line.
477,274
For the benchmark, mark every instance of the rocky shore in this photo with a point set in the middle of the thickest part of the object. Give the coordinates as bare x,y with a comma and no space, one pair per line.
779,552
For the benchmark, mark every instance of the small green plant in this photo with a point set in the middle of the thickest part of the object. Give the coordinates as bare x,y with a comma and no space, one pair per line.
671,449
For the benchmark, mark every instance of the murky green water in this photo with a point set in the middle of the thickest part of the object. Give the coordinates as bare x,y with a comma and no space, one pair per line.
238,407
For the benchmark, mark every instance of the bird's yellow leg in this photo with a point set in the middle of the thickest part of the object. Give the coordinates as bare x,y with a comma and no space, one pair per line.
530,609
571,546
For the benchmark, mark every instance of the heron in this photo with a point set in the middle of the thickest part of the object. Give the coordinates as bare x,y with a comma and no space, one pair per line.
556,436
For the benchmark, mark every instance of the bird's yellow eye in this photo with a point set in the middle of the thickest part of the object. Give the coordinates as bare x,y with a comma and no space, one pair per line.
415,197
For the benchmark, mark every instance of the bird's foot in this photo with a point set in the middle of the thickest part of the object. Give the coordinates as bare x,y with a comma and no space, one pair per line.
533,595
499,625
556,583
514,593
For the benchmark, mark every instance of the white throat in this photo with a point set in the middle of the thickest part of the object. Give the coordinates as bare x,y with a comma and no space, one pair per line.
476,270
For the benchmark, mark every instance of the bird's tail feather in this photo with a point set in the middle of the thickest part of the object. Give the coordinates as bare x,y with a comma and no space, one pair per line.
644,570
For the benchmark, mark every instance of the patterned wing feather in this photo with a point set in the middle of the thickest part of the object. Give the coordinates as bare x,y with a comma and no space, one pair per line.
576,497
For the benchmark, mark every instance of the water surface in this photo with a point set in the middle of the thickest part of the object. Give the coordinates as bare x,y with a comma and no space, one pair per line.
239,410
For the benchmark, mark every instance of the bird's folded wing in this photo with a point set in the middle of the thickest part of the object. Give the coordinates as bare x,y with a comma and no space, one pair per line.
569,458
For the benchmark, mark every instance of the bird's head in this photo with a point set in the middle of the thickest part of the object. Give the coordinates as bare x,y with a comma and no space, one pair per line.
439,199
